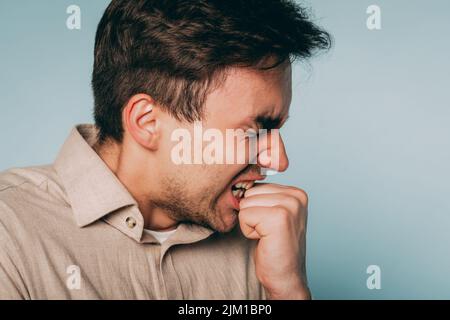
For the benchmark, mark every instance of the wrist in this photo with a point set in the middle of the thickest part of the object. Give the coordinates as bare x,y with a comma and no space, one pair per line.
301,292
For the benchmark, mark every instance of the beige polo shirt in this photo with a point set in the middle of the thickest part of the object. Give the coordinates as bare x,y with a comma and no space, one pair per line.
71,230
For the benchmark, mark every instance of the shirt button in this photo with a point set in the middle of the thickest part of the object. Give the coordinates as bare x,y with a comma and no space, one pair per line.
131,222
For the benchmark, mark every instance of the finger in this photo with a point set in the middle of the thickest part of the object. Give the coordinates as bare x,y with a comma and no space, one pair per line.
271,200
259,222
269,188
264,188
249,232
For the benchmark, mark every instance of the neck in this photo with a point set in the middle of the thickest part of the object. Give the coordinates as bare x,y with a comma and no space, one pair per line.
122,163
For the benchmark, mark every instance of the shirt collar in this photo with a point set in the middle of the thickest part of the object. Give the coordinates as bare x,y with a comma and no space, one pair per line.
91,187
94,192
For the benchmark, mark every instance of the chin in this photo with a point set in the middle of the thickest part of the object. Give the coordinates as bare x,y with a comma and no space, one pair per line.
227,222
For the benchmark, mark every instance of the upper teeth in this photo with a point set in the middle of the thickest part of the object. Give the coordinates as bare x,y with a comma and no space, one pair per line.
241,187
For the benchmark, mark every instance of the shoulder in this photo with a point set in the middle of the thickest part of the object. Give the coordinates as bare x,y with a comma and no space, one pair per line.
19,178
30,181
24,192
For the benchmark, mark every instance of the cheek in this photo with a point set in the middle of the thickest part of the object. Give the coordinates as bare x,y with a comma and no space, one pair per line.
210,179
223,174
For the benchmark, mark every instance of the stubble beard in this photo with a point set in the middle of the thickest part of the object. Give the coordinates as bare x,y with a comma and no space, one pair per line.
176,201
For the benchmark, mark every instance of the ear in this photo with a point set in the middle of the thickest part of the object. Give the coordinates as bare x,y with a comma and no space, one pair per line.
140,119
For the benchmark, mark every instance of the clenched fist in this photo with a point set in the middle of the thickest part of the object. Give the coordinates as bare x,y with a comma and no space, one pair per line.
276,216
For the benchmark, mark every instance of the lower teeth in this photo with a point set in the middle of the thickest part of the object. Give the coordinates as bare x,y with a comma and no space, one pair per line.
238,193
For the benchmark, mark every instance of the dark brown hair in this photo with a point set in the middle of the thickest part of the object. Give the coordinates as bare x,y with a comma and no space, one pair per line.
175,50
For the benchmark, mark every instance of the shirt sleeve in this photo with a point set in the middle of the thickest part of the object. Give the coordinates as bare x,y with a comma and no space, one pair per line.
8,287
12,286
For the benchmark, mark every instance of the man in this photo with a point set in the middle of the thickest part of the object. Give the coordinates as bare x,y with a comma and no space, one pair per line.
116,216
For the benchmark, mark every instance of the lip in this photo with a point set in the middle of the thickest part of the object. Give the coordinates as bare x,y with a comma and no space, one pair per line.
233,200
250,177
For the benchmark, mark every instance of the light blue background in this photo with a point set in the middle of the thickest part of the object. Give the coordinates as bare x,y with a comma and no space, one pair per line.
368,136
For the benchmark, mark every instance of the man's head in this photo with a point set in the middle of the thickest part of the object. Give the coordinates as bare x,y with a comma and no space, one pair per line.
161,65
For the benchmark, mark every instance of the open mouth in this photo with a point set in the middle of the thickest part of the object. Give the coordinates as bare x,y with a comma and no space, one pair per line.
238,189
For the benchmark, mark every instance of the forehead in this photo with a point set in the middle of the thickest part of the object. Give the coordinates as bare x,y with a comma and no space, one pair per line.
248,93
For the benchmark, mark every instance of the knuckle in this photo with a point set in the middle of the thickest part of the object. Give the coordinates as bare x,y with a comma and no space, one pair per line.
301,195
296,203
282,214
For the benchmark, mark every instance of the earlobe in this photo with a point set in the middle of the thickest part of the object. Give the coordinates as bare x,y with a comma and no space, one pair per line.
141,122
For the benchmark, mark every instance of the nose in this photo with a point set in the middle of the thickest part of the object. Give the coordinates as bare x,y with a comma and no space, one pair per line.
272,153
